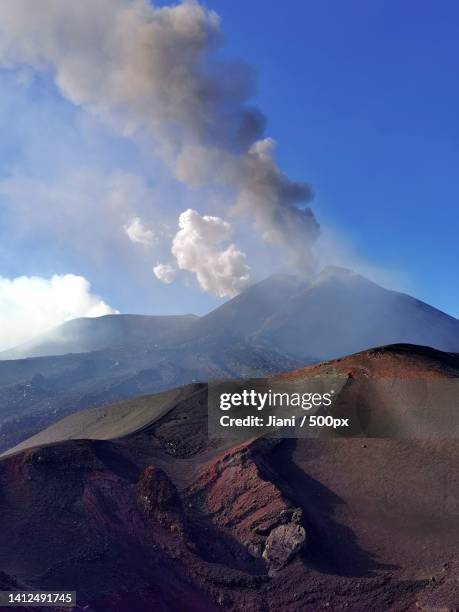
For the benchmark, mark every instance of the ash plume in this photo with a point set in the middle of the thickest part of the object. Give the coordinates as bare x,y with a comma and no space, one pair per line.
164,273
156,70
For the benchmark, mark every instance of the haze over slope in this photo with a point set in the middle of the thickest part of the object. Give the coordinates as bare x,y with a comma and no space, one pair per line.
342,312
281,323
36,392
366,386
94,334
337,313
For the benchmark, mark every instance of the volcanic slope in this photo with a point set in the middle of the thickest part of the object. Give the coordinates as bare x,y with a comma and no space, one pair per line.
276,325
338,313
161,517
94,334
40,391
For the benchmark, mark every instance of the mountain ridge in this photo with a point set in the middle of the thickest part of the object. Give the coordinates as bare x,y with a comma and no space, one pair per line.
160,516
283,310
279,324
397,361
87,334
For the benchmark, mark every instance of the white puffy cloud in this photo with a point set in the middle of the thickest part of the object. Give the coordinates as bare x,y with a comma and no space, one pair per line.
197,249
137,232
31,305
165,273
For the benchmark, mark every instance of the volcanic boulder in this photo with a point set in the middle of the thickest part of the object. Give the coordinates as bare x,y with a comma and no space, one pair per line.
282,544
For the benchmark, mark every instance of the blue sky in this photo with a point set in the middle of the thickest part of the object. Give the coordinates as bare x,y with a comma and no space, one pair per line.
362,100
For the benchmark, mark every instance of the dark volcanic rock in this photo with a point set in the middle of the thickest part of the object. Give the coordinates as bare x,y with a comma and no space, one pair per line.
282,544
159,499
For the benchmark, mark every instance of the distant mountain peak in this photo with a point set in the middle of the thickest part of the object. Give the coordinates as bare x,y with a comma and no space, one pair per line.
336,271
87,334
326,273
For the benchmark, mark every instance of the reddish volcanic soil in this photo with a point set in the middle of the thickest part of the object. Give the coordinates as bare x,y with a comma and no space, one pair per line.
399,361
166,519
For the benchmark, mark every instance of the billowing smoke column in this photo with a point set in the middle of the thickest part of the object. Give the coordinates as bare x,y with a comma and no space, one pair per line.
196,248
154,70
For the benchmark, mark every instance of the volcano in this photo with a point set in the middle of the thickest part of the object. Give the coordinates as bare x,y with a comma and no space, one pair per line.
279,324
337,313
135,507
